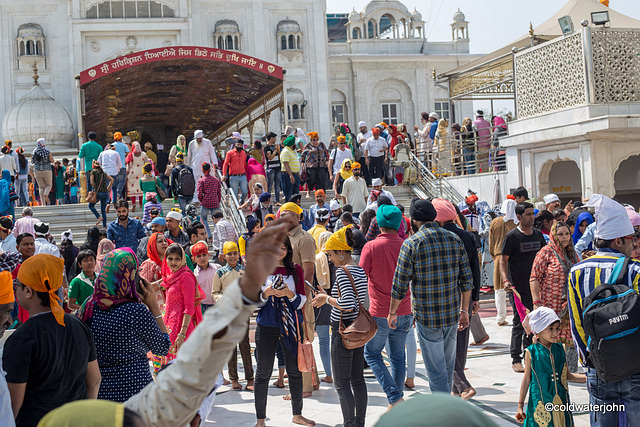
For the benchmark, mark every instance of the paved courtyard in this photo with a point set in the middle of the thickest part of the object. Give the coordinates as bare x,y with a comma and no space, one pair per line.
488,370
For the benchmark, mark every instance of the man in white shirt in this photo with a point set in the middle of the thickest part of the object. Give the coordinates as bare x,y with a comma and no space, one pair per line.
337,156
200,151
354,190
42,244
8,240
375,153
111,163
377,185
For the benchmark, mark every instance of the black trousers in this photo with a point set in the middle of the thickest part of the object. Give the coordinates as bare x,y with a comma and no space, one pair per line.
376,166
317,178
267,339
519,339
460,382
348,376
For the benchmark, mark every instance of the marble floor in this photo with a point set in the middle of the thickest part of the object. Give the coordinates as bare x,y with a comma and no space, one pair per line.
488,370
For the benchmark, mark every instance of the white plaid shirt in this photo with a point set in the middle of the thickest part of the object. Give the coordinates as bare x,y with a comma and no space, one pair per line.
223,232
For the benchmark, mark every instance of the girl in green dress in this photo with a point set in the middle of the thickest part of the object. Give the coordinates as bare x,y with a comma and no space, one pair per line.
545,374
149,183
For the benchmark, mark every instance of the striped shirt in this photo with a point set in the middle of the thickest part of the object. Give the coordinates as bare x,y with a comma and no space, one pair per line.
436,264
347,300
584,277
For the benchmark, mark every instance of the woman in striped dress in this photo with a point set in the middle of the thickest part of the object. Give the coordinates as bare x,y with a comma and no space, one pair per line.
348,365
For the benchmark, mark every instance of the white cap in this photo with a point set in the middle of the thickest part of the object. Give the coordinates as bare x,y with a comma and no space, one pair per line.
550,198
362,124
540,319
612,220
334,205
376,181
434,116
198,134
175,215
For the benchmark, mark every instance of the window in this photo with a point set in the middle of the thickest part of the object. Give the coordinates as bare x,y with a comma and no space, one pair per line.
390,113
337,113
227,35
442,108
296,112
30,40
289,35
129,9
283,43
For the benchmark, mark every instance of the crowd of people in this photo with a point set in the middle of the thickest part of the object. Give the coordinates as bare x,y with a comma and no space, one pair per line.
146,313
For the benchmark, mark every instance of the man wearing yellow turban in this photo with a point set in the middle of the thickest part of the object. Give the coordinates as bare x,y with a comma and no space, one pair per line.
51,359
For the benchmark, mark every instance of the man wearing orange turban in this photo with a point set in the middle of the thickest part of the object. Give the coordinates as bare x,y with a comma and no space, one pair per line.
61,345
375,153
313,160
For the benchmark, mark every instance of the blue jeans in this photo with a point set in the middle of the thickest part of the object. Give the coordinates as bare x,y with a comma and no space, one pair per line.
118,184
273,181
439,354
103,198
239,185
73,199
22,188
624,392
288,188
392,383
183,201
324,339
204,217
412,352
469,160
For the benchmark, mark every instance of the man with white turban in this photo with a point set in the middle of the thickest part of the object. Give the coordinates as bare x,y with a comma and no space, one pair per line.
200,151
615,238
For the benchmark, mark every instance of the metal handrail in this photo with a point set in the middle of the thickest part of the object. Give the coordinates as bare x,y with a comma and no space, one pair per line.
230,207
430,186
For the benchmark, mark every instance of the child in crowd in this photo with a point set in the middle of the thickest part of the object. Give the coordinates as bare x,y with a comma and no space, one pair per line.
151,203
545,372
81,287
205,272
73,192
223,278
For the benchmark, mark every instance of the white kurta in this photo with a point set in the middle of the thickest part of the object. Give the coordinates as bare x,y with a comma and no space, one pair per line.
198,154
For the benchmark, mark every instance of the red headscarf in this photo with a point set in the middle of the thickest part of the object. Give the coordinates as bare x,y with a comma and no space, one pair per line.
153,255
135,149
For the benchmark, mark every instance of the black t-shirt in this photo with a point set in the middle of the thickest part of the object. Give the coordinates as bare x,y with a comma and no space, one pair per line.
275,162
521,250
163,159
52,359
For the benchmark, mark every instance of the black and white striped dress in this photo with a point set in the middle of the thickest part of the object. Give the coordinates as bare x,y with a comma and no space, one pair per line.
348,298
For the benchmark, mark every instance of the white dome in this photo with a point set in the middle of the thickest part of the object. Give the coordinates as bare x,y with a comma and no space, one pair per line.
416,16
288,25
458,16
385,4
355,16
37,115
30,29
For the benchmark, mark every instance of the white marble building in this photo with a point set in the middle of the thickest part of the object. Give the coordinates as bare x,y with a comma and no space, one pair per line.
389,65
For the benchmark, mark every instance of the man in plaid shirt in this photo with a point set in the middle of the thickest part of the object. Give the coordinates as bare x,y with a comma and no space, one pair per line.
435,262
223,232
208,195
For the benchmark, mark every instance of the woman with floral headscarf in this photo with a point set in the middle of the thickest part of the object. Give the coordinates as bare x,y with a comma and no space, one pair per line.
549,275
123,328
135,160
183,298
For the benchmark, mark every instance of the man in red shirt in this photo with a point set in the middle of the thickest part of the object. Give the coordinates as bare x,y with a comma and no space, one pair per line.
208,195
234,167
378,259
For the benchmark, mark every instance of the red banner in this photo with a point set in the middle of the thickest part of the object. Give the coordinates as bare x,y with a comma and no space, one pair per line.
179,52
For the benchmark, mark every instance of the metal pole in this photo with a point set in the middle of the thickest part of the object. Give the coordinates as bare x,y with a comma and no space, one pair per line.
284,98
82,175
587,49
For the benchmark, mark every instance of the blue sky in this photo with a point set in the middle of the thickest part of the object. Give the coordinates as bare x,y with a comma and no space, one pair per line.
492,23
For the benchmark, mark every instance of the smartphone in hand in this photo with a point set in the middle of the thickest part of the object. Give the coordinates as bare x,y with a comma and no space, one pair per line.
314,289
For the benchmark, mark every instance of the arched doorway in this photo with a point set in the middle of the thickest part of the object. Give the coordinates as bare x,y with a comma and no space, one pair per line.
564,179
627,181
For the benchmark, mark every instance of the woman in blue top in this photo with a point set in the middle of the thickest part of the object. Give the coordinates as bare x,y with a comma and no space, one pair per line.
279,320
125,326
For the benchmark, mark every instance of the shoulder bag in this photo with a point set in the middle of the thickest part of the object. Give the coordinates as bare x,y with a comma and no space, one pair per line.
306,359
363,328
92,196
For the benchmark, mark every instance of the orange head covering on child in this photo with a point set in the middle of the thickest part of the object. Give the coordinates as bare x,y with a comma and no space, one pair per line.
43,273
199,248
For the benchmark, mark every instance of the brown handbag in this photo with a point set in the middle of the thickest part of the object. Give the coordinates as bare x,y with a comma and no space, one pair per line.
92,196
363,328
306,359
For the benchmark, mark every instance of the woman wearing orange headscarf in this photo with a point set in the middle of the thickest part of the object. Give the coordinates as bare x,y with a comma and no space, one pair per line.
151,268
135,160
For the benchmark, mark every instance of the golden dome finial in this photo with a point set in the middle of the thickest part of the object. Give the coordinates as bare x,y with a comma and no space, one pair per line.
530,29
605,2
35,73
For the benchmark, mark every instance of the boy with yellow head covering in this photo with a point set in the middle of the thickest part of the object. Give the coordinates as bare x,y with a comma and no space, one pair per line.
67,367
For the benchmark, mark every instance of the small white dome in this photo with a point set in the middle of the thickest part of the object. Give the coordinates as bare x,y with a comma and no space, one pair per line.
226,25
385,4
37,115
30,29
416,16
458,16
355,16
288,25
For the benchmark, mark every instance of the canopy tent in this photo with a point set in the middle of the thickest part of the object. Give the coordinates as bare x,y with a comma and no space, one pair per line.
180,89
491,76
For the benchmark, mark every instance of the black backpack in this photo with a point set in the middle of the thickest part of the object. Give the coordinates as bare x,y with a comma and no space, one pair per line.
611,321
186,182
